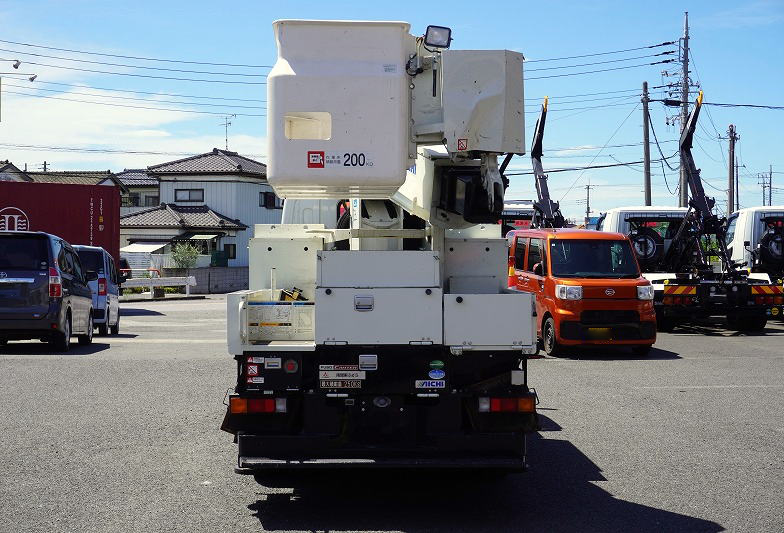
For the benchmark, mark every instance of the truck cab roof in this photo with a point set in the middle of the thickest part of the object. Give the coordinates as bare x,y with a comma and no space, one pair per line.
570,233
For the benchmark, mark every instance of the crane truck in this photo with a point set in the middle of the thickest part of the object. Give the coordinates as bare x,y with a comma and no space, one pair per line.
378,330
674,246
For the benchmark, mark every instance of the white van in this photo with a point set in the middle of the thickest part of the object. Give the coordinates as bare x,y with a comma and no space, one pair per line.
105,289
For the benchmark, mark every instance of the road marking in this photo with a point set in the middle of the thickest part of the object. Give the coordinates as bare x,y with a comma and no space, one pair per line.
682,387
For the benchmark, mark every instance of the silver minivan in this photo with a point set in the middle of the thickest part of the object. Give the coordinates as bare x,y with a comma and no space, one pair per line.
105,289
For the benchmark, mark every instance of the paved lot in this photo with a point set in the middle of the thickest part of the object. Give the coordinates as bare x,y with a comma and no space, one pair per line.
123,436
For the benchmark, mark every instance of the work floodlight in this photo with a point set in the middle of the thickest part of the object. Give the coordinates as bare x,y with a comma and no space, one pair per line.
438,36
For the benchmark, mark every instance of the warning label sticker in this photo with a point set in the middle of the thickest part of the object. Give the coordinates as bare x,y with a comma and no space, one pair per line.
341,374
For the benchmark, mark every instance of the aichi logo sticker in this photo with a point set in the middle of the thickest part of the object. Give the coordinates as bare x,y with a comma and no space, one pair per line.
13,219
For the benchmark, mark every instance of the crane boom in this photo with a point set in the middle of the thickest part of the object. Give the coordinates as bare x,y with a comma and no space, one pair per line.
547,213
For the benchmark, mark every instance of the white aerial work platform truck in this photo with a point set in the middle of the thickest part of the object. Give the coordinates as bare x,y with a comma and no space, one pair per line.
378,330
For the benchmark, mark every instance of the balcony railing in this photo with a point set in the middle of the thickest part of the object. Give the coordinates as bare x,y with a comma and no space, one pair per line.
160,261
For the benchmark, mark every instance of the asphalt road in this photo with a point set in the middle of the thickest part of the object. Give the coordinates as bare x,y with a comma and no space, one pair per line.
123,436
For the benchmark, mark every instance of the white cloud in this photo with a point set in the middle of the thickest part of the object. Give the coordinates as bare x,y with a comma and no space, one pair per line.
761,13
28,120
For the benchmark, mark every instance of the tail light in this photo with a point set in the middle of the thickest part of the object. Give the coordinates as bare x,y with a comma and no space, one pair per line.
769,300
759,300
525,404
55,283
667,300
778,299
687,300
239,405
101,286
678,300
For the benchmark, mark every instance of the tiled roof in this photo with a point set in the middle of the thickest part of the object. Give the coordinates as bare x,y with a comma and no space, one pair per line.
136,177
76,177
180,216
215,162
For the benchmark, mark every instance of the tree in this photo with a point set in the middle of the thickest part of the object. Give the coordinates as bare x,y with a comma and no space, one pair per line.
185,255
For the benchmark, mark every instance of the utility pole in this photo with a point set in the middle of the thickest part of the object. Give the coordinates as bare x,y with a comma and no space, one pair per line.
588,203
737,184
732,135
770,186
766,183
646,147
684,188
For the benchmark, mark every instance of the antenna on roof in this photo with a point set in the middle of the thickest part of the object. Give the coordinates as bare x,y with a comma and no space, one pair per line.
226,123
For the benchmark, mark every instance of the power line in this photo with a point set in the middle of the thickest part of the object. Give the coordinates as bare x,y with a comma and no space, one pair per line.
588,167
583,94
136,57
125,65
177,95
600,151
755,106
600,70
599,62
135,99
235,82
133,106
598,53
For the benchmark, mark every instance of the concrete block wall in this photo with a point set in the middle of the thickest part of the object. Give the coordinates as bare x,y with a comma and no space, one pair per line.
214,280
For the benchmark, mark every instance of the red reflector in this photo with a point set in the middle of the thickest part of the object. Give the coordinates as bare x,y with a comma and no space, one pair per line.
101,286
759,300
778,299
291,366
667,300
55,283
495,405
686,300
769,300
678,300
261,405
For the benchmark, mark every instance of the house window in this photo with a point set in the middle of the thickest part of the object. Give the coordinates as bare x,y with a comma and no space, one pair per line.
270,201
132,200
189,195
230,250
151,201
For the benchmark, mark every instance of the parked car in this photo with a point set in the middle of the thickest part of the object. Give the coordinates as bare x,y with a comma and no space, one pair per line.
44,292
106,289
588,286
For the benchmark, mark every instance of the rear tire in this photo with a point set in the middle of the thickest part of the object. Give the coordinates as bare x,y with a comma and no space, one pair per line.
103,329
61,341
549,338
87,338
755,323
115,329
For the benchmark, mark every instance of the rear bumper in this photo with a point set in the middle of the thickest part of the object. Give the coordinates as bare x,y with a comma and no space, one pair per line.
30,329
481,451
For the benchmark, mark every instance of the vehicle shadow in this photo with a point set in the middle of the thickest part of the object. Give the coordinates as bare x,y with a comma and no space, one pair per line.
40,348
556,494
136,311
616,352
720,329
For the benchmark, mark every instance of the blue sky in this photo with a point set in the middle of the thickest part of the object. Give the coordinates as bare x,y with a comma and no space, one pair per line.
736,47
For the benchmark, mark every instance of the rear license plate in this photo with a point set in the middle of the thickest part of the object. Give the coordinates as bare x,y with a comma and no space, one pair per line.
600,333
341,384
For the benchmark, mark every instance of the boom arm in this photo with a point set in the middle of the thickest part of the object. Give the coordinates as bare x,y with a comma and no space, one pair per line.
700,220
547,213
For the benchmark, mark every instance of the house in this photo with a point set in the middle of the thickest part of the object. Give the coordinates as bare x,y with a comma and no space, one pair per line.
142,190
157,230
212,199
9,172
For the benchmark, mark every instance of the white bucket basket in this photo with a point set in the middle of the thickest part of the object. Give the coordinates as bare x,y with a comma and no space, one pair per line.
338,107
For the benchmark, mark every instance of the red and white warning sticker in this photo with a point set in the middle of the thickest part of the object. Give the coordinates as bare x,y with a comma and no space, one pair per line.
256,380
462,144
253,370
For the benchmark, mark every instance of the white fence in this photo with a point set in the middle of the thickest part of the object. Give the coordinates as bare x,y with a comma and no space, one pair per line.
161,261
151,283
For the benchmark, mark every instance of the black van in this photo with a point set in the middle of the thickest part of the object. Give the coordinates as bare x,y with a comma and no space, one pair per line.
44,292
